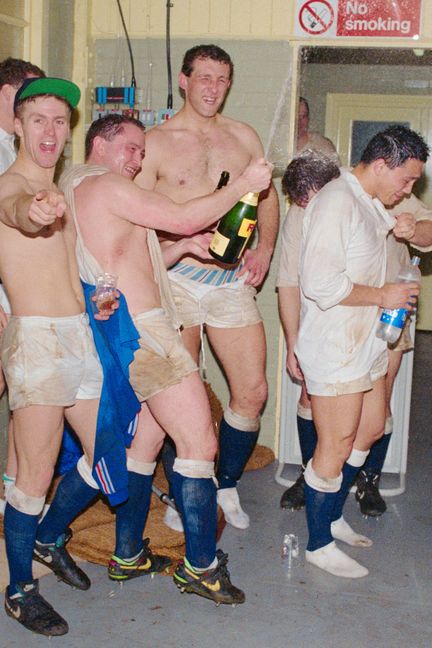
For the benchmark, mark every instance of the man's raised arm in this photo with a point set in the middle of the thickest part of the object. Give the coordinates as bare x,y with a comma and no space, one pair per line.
157,211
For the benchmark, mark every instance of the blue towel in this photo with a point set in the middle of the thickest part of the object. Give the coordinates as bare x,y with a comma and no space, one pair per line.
116,340
70,451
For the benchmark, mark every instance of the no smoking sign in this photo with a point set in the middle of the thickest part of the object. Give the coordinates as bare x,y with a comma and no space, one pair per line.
357,18
316,18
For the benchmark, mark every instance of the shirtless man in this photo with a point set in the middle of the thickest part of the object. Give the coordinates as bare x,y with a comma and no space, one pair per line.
47,352
113,216
307,139
185,158
13,73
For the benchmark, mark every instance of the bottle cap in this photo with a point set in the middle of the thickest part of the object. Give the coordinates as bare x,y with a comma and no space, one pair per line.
250,198
415,260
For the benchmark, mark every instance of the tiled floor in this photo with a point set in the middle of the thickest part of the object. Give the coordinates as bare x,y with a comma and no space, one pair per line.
391,608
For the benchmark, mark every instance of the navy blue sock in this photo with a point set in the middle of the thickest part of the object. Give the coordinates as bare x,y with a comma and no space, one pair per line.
319,508
72,496
235,448
131,516
196,502
307,438
349,473
168,455
376,457
20,534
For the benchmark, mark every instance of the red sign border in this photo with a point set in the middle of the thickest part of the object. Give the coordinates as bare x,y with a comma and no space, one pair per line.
305,6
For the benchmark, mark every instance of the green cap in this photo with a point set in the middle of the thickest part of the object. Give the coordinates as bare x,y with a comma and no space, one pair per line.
49,86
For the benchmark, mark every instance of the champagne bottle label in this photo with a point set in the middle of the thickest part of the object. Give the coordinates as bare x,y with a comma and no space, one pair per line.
246,228
219,244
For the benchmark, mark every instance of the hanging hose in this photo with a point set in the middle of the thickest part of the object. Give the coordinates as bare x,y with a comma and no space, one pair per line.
133,80
168,54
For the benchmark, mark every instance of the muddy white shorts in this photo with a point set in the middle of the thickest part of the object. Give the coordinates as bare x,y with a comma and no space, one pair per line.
230,305
362,384
50,361
162,359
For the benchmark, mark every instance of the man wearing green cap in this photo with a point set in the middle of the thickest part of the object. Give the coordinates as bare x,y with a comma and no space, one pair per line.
13,72
47,351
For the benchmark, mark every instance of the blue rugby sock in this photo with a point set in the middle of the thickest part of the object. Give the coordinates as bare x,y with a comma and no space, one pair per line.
235,448
72,496
196,501
307,438
349,473
375,461
20,535
319,508
131,516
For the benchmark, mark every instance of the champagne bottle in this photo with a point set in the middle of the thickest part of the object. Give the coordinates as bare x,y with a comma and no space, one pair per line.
234,230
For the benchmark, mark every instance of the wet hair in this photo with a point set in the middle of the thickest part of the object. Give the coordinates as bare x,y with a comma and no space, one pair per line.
303,101
203,52
395,146
108,127
15,71
310,170
23,102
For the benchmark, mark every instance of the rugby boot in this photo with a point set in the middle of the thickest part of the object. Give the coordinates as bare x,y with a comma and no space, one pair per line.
146,563
293,498
368,495
56,557
30,609
213,584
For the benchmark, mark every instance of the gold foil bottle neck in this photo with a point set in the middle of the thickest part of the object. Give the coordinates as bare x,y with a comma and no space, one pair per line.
250,198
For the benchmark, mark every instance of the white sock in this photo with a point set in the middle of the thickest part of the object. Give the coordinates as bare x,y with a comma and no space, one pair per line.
173,520
228,500
336,562
7,483
341,530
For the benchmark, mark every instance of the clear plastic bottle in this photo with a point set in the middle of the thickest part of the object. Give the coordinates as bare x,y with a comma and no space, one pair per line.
392,321
106,285
290,549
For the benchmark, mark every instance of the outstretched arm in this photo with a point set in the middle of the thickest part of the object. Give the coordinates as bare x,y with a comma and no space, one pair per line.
150,209
27,211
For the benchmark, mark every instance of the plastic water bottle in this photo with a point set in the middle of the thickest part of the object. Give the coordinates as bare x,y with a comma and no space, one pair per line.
392,321
290,549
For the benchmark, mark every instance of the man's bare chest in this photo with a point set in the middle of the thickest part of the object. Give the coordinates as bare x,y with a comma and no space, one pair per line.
199,162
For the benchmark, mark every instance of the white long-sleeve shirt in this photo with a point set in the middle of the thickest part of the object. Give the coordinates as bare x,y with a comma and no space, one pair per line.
7,150
344,243
7,157
291,237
